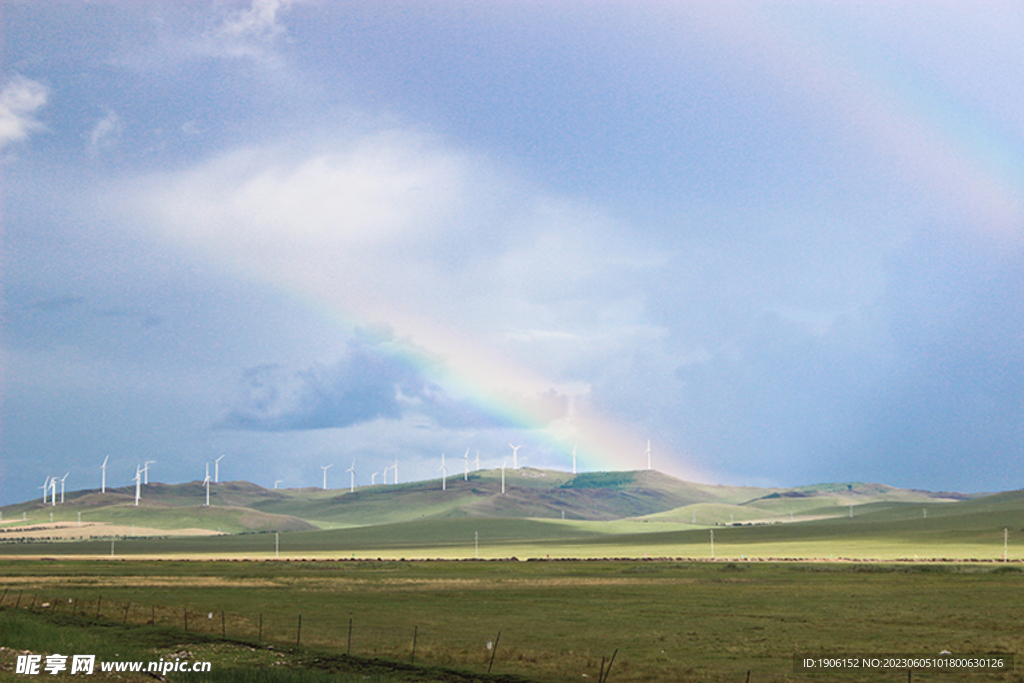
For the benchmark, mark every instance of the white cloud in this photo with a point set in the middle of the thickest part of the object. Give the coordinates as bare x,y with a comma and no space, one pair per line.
259,20
105,132
444,245
248,32
20,100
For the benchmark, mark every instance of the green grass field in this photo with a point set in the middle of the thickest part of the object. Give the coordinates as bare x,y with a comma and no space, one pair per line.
909,572
669,621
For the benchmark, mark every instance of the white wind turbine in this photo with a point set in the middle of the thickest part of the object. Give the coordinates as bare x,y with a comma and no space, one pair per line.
138,484
352,477
206,483
396,471
103,485
53,492
648,454
62,487
45,487
515,456
277,481
325,468
465,458
444,474
477,461
574,458
216,470
373,479
145,471
503,477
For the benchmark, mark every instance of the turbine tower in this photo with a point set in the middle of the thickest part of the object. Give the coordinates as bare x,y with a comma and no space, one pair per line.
444,474
396,471
352,477
138,484
515,456
216,470
373,478
503,477
465,459
45,487
325,468
206,483
53,492
574,458
477,461
648,454
145,471
277,481
62,487
103,485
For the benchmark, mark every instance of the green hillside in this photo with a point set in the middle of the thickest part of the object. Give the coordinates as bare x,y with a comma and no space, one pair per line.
542,512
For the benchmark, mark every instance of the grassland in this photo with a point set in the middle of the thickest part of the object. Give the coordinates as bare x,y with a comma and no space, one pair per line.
669,621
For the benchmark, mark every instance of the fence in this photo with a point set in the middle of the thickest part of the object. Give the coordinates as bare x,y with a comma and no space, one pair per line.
411,644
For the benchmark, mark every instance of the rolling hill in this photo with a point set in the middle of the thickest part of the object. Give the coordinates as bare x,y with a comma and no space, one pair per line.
642,496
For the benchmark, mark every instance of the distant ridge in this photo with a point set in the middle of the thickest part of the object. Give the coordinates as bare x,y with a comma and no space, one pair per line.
644,495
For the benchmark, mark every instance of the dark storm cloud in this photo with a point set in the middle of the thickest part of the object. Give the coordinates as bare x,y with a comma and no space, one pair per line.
370,382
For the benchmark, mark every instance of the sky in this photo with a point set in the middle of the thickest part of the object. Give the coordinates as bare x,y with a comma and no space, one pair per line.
782,241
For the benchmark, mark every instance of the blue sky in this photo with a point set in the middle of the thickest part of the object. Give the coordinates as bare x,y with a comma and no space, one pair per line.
782,241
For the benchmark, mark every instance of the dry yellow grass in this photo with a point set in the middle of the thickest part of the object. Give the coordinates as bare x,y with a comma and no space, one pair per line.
72,531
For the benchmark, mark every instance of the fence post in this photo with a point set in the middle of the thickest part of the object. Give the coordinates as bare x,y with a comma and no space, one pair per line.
612,660
99,603
185,611
494,652
223,628
18,601
415,630
126,608
4,596
348,651
259,638
298,633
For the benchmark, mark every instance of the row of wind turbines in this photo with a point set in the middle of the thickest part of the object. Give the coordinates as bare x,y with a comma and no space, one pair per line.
141,478
443,469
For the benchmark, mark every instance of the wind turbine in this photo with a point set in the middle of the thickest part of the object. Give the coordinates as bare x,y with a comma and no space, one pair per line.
373,478
515,456
465,459
53,492
503,477
138,484
477,461
574,458
352,478
216,470
145,471
325,468
62,487
444,474
277,481
648,454
206,482
103,486
45,487
396,471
